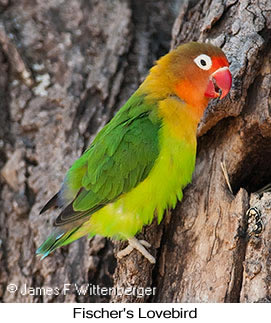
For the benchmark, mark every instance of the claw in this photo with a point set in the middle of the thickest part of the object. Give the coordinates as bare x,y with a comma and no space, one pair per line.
139,246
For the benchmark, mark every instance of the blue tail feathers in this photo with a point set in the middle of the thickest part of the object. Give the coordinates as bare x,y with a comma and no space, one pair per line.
50,244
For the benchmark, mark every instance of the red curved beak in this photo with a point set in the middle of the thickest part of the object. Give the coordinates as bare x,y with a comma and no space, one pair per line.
220,80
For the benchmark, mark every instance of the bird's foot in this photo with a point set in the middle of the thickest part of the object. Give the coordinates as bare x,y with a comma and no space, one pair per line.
138,245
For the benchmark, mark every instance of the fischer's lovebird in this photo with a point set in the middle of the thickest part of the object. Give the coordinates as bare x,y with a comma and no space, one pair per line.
139,163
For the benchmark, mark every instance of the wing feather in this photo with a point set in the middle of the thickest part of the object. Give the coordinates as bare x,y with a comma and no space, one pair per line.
119,159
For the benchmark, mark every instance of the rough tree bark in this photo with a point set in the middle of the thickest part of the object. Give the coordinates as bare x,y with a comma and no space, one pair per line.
66,67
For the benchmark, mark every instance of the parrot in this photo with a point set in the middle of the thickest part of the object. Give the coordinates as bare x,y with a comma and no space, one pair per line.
139,163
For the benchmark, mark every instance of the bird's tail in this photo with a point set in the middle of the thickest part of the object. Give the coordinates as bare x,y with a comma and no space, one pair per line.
58,238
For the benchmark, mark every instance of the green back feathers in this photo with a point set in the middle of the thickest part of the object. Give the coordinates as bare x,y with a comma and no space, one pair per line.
120,157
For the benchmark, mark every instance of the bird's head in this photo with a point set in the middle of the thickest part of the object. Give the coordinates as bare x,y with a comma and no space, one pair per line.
198,72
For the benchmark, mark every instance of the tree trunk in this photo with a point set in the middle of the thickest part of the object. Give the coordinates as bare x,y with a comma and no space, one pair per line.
66,67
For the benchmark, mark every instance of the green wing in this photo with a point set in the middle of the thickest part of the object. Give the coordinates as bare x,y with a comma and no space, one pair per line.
120,157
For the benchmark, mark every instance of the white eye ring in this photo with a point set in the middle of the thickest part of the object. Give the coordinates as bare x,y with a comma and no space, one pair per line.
203,61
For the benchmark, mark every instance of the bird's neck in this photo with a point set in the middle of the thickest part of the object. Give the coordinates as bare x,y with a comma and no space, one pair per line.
179,119
158,87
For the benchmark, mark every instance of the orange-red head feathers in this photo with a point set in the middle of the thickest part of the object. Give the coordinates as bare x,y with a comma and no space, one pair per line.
201,70
195,72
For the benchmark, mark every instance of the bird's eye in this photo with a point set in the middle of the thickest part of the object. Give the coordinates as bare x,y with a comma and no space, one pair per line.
203,61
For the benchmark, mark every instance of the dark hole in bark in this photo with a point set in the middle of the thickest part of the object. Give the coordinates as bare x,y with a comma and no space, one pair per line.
254,171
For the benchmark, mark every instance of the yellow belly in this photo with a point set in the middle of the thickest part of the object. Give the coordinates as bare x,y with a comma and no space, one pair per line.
160,190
